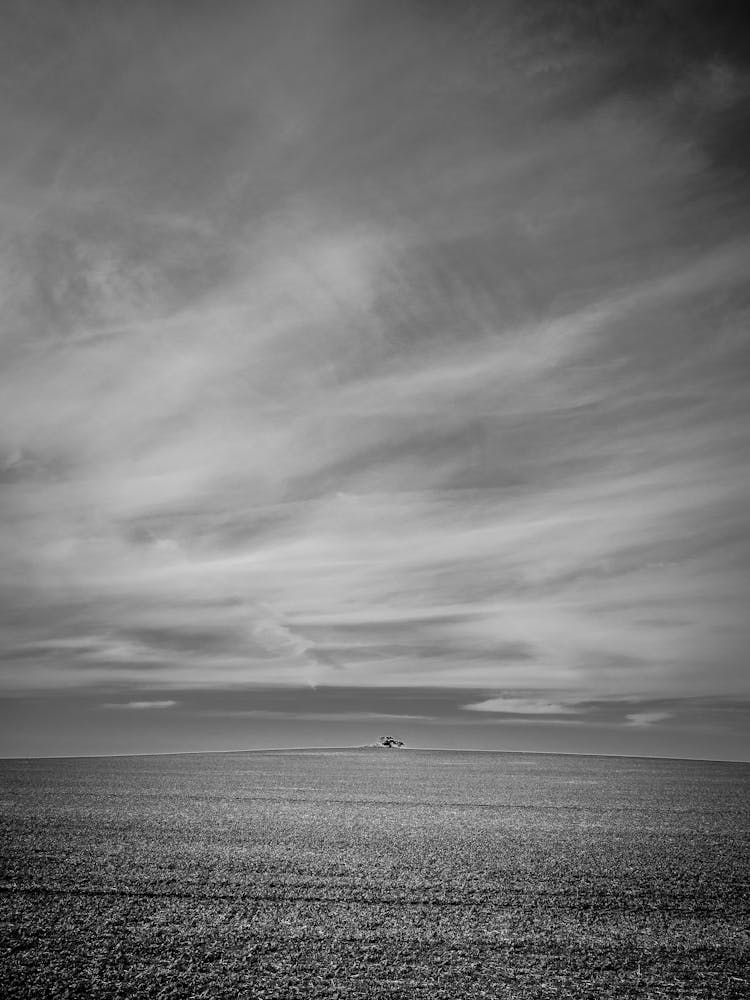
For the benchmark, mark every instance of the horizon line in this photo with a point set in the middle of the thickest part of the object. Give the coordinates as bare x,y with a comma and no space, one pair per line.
299,749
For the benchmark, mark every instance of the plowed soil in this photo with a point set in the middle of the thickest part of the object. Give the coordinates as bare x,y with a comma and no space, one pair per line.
374,873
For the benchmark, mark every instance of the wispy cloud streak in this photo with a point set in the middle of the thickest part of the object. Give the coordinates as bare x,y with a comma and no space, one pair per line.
139,705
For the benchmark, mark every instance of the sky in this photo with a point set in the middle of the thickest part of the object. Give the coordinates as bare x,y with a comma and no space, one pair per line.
375,368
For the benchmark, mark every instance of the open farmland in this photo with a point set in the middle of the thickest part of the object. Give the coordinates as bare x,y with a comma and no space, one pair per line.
374,873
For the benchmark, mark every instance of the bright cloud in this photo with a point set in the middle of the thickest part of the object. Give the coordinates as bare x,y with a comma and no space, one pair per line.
647,718
521,706
138,705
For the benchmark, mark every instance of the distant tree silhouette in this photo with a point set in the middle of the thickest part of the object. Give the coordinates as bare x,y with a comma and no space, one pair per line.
390,741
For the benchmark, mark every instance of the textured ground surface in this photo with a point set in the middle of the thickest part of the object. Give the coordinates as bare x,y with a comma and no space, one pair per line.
374,873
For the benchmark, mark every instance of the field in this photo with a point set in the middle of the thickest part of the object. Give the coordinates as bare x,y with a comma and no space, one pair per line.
374,873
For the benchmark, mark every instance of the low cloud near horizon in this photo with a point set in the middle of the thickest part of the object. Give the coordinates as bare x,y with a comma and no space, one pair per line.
375,347
521,706
139,705
647,718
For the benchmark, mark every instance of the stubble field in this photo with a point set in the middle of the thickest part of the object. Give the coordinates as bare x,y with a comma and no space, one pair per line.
374,873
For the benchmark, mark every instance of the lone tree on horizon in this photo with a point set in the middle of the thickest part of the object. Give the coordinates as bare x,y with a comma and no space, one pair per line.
390,741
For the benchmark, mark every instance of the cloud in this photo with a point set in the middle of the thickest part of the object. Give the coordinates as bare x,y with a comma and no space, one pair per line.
522,706
140,705
303,714
647,718
364,372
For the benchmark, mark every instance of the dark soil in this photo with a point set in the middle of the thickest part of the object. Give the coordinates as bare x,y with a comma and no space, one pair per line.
363,874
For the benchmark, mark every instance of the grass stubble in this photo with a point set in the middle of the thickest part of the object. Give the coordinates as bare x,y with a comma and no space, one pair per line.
374,873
